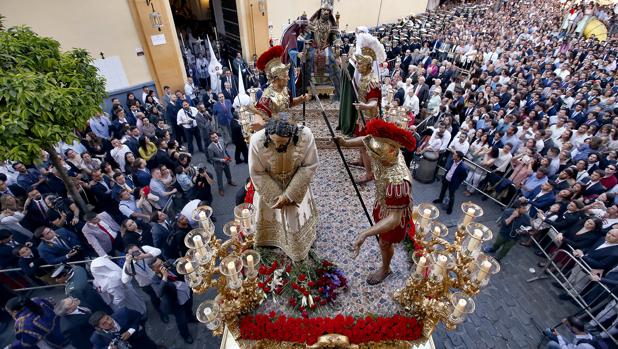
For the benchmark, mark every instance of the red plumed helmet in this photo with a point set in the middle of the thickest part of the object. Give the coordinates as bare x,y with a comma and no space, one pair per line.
270,54
383,129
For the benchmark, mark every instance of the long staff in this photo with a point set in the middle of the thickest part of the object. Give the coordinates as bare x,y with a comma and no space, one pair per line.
345,164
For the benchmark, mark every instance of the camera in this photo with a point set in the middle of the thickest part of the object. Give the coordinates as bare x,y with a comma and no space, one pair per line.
119,343
135,254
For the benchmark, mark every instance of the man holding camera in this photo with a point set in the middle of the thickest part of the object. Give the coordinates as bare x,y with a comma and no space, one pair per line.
137,266
186,119
120,330
511,220
59,246
175,294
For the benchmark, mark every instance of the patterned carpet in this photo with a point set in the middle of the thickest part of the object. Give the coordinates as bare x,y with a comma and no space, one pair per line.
341,218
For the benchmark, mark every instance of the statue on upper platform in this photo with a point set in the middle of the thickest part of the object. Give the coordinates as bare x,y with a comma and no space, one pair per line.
283,159
325,43
296,52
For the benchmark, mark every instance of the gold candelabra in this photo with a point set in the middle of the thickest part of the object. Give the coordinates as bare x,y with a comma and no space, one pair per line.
246,115
230,266
447,274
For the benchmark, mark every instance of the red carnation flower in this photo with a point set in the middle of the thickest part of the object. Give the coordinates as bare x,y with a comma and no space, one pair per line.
311,284
302,277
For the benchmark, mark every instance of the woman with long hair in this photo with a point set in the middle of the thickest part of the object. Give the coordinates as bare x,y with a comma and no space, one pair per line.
479,173
129,159
36,324
146,149
581,235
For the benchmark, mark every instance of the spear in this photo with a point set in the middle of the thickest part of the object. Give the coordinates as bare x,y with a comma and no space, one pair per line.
345,164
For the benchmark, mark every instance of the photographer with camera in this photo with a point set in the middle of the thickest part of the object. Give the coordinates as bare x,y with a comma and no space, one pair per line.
137,267
58,246
120,330
63,213
511,220
176,295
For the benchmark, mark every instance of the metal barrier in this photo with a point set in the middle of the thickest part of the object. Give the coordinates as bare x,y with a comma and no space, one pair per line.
477,166
602,303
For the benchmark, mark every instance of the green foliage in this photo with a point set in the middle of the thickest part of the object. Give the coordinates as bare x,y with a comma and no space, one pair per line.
44,94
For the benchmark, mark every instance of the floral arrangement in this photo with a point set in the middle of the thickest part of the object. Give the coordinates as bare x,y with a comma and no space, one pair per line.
305,290
280,328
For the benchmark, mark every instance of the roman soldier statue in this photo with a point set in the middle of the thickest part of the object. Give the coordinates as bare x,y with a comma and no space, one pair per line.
276,97
392,210
361,76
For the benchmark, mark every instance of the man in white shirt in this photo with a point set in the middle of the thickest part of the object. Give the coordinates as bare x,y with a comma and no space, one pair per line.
443,135
186,119
411,102
118,153
191,90
137,267
460,144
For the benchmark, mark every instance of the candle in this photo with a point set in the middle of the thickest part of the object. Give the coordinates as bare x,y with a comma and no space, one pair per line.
483,271
426,212
436,231
475,241
459,308
189,268
203,219
233,231
469,215
197,241
199,246
209,314
250,264
439,266
246,218
231,267
420,266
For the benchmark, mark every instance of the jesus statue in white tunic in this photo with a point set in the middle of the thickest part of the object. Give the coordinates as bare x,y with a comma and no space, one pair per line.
283,159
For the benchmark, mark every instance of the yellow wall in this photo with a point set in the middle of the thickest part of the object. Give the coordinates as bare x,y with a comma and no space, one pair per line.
97,26
253,29
353,12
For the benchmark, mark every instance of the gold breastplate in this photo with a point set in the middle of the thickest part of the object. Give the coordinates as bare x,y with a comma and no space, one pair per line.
385,175
280,101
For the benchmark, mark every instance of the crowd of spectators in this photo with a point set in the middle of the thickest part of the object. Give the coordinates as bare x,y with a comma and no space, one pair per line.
530,101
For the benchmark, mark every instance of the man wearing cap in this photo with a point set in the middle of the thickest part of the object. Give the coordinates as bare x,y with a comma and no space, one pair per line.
122,326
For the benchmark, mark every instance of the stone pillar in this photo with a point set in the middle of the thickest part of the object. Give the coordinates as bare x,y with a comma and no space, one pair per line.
161,48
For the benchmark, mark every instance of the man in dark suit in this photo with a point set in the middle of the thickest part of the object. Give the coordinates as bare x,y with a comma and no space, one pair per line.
121,183
541,198
407,60
175,295
101,187
36,210
601,257
123,325
162,157
222,112
74,315
220,159
421,90
58,246
229,92
8,241
229,78
453,178
593,187
400,95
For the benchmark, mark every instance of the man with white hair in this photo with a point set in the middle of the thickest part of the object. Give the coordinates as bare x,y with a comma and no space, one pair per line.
411,102
74,315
